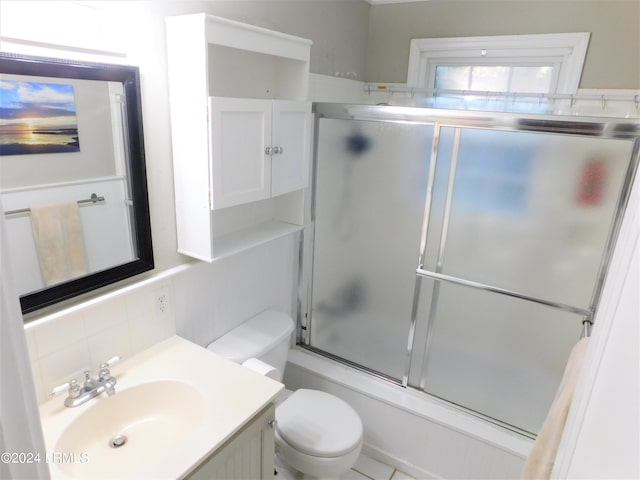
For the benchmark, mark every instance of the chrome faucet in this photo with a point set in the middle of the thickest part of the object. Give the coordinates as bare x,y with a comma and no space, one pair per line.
92,387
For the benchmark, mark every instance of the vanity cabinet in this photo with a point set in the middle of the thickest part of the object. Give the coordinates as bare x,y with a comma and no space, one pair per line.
249,454
241,133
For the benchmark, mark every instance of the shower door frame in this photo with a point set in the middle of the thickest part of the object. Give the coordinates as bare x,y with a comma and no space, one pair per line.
602,127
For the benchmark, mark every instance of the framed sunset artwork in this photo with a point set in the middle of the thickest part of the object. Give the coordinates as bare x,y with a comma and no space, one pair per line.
37,117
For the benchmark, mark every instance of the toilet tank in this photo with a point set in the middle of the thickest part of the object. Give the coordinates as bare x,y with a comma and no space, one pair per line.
265,337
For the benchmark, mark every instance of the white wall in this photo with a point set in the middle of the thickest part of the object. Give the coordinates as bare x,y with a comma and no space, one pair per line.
211,299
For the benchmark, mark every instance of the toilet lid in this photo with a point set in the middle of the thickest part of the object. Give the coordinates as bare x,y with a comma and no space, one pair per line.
318,424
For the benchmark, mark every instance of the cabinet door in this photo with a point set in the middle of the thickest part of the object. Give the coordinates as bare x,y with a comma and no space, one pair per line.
239,132
291,132
248,455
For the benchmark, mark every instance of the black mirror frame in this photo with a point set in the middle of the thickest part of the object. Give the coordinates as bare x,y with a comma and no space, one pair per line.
129,76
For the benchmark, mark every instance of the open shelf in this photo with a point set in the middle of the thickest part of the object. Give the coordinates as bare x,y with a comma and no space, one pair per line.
250,237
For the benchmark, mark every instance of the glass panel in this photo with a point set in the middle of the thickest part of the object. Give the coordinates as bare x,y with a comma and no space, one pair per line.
532,212
370,193
489,78
496,355
450,77
531,79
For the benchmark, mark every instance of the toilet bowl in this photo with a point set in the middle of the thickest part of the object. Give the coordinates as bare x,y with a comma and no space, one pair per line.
316,433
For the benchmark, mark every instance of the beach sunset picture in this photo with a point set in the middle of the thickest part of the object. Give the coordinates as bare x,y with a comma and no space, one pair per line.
37,117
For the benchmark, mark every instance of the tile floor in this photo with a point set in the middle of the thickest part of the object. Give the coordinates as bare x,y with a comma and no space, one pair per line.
366,468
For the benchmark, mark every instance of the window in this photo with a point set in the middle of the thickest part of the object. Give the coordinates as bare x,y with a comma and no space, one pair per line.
495,78
546,63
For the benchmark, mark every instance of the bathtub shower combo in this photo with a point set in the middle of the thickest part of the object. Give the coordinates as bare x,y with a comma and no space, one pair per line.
459,253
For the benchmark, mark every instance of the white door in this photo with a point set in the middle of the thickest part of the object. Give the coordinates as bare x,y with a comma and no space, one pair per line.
239,132
290,141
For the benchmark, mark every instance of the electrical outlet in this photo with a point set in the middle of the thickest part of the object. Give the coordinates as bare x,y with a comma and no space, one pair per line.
162,301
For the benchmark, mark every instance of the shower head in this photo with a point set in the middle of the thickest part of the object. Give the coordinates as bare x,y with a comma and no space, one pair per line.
357,143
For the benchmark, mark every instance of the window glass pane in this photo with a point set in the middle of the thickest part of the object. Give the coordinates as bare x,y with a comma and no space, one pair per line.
449,77
531,79
492,78
489,78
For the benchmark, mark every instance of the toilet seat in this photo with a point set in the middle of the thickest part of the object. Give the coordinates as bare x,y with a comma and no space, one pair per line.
318,424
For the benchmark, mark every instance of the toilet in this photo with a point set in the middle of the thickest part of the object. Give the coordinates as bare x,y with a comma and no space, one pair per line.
316,433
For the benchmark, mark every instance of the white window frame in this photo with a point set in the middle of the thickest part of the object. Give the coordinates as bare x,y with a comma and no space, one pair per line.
564,51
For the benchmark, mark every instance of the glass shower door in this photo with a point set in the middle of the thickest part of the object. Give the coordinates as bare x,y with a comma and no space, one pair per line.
516,235
371,180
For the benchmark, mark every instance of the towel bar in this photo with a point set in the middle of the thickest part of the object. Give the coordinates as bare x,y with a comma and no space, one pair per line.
93,199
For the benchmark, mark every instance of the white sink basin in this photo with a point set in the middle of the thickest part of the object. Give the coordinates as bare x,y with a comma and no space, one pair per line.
176,403
134,427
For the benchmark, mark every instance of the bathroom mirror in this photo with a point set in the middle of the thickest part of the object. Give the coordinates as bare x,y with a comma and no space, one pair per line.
72,176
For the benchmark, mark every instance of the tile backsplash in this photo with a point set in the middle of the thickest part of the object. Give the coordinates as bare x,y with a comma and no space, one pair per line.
63,345
201,301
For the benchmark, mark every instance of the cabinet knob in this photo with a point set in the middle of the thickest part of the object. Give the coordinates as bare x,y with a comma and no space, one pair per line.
278,150
268,151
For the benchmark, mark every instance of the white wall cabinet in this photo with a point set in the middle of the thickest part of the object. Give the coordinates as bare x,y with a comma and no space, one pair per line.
241,129
258,148
291,132
249,454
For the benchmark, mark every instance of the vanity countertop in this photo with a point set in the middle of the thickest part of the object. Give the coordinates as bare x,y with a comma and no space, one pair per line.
229,396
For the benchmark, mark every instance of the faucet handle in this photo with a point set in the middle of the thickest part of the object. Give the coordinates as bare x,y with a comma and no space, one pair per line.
111,362
104,372
71,387
74,389
59,389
